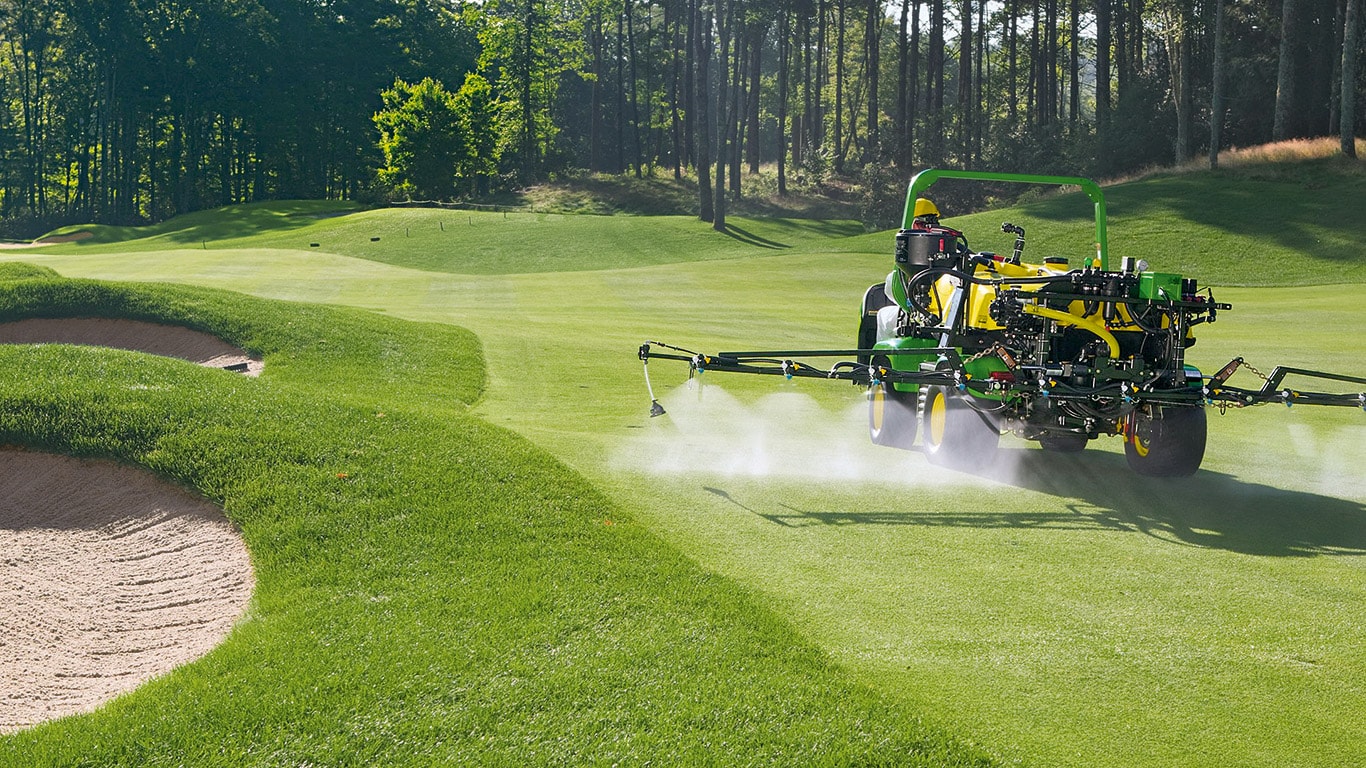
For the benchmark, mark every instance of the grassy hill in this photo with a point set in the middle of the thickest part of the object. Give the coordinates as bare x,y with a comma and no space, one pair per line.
786,576
1265,224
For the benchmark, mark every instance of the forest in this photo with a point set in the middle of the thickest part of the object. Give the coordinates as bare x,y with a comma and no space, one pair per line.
130,111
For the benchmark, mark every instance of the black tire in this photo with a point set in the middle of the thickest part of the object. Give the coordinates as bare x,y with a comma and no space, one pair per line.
955,435
1170,443
1064,442
891,416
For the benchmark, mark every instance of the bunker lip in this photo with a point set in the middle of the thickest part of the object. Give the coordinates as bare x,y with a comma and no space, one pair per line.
135,335
52,240
112,576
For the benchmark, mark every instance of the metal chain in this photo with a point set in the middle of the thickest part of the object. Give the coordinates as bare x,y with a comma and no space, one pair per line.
991,350
1258,373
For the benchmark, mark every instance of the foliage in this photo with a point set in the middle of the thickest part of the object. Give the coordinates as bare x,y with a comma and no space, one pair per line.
424,137
119,117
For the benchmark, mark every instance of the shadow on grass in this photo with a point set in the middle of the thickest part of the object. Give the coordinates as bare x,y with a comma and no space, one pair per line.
231,222
1311,208
1209,509
749,238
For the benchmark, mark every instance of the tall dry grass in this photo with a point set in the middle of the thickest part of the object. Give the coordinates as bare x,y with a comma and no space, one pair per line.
1289,151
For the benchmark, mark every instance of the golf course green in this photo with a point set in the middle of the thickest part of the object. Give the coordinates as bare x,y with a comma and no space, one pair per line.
474,546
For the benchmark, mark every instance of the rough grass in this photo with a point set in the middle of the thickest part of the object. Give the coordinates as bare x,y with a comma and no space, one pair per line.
431,589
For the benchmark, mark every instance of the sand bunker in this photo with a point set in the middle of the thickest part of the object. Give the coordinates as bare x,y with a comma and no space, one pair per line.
51,240
135,335
110,577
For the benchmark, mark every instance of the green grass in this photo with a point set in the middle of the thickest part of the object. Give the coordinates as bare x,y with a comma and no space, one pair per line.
471,242
1067,613
1263,225
219,224
431,589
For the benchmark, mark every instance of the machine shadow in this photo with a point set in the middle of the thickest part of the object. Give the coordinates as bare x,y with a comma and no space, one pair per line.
1209,509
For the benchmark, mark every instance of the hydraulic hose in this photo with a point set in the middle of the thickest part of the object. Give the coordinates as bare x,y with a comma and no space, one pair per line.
1083,323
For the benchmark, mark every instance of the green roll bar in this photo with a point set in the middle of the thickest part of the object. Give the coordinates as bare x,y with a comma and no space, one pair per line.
925,178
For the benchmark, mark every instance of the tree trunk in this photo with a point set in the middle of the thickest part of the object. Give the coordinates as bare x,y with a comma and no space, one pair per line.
1013,56
723,18
1102,69
756,51
839,85
702,55
1216,122
529,164
934,86
595,97
1074,65
1351,44
872,29
913,119
734,132
965,83
902,152
784,56
1285,72
635,101
1175,28
674,95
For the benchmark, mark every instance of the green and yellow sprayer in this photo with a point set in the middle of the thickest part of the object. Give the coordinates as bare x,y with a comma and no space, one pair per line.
961,347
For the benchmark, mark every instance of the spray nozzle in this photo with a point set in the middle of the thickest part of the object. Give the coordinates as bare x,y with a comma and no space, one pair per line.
656,409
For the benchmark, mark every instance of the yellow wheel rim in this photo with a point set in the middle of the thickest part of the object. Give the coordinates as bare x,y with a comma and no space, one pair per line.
879,408
1140,444
937,413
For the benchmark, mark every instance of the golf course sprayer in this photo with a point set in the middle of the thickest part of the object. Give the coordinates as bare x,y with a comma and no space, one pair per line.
959,347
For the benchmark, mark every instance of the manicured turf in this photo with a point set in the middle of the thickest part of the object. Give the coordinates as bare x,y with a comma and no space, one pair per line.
431,589
468,242
1065,612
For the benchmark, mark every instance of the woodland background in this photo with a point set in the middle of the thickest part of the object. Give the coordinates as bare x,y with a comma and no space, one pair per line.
129,111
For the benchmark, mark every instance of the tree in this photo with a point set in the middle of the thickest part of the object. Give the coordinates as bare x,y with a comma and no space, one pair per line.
424,138
1175,24
477,110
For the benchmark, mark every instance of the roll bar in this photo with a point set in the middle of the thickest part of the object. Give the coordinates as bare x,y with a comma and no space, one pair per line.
922,181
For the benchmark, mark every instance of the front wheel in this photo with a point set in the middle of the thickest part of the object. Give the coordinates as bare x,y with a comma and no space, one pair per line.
891,416
1170,442
956,435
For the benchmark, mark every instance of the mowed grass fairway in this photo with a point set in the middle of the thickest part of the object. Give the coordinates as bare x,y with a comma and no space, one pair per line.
1052,611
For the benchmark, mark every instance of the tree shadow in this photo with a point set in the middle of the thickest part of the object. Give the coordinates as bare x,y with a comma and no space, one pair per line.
238,221
1209,509
749,238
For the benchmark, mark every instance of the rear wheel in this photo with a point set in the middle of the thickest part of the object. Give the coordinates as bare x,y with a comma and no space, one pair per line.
1167,443
891,416
955,434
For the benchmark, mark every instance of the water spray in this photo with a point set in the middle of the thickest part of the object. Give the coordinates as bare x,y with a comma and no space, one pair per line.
655,408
